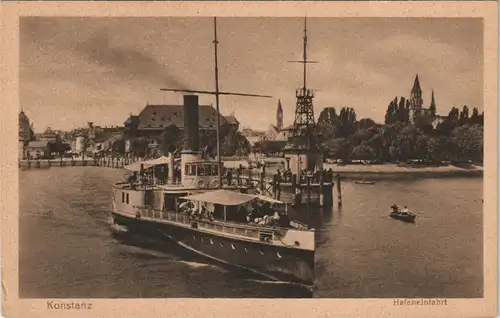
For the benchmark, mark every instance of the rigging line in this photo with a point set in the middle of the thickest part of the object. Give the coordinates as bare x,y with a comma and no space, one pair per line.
212,93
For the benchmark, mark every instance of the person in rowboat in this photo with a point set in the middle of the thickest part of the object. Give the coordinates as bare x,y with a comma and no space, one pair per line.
405,210
394,208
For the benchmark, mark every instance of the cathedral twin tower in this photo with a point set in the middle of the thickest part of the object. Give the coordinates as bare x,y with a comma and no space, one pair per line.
416,104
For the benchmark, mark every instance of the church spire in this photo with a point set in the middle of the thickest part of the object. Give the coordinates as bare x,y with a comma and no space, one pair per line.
279,116
416,86
432,107
416,100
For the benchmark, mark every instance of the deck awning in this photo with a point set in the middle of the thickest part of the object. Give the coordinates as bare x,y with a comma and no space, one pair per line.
136,166
268,199
223,197
227,197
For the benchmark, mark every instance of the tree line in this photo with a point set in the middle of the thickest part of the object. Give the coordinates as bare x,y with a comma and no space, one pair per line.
456,137
233,143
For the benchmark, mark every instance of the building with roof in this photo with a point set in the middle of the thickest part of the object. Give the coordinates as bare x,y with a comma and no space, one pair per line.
153,120
278,132
37,149
274,133
25,128
49,135
253,136
232,121
26,133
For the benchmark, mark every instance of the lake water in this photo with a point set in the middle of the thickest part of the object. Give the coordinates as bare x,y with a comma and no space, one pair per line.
67,248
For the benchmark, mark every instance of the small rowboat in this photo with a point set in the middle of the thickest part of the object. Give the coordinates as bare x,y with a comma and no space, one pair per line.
403,216
364,182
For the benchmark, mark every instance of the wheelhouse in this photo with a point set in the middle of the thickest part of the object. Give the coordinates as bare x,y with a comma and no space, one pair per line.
201,169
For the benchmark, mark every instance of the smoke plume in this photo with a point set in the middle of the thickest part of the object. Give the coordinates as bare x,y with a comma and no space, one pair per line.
126,61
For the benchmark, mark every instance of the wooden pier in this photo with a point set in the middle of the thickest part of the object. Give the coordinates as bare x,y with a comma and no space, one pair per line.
294,191
76,162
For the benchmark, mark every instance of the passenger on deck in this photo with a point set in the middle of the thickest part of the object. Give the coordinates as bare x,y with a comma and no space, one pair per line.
265,220
275,218
255,208
266,209
329,174
229,176
210,215
133,177
324,175
238,174
284,220
279,177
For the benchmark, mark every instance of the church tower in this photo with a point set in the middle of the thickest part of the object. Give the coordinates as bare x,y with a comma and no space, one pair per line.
279,116
416,100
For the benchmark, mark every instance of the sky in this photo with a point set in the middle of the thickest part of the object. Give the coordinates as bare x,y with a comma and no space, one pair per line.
76,70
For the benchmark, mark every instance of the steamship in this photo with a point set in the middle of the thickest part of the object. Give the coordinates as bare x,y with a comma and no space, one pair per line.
153,207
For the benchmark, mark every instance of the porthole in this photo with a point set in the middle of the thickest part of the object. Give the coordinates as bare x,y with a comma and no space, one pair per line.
232,246
246,250
211,242
278,254
261,252
221,244
297,243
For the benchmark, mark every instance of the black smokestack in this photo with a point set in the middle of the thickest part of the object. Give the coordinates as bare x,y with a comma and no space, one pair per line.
191,123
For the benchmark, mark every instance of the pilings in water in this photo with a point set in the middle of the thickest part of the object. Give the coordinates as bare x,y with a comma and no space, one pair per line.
321,191
339,190
318,191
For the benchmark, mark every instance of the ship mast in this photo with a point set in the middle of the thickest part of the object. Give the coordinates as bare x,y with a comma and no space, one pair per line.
304,60
304,111
217,93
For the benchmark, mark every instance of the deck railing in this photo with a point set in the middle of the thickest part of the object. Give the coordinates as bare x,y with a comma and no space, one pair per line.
267,234
148,183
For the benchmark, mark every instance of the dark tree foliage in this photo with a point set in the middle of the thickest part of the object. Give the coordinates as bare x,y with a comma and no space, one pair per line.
233,143
170,139
118,146
456,137
398,111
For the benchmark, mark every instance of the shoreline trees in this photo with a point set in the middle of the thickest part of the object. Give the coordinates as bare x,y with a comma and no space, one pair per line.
456,137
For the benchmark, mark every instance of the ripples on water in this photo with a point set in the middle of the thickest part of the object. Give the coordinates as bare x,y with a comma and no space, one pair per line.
67,248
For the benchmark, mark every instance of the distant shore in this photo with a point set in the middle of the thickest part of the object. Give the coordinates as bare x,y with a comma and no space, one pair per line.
387,171
351,171
396,171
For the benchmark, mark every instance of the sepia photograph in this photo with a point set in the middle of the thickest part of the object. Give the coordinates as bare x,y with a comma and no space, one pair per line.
260,157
